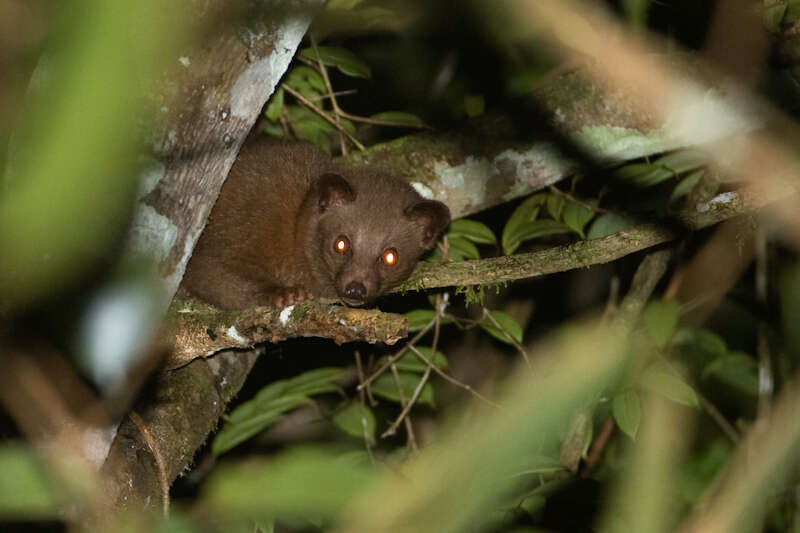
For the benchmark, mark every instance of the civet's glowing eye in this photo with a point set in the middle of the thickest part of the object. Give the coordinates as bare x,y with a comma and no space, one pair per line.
341,244
390,256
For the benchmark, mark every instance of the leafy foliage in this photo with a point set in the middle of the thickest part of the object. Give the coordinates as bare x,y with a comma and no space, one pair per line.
255,415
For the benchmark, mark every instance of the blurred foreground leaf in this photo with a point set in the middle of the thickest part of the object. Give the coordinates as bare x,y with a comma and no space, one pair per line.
451,487
302,483
25,489
72,180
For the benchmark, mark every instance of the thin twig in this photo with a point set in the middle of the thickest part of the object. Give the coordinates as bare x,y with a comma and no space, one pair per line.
707,406
358,118
384,122
393,359
360,373
555,190
510,339
412,441
407,408
418,390
345,92
322,113
718,417
447,377
334,104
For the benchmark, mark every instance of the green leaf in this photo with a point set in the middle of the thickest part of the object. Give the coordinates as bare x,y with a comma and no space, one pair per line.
661,320
474,105
385,387
608,224
356,420
507,323
531,230
316,381
342,58
254,416
683,160
348,125
26,493
555,206
419,318
686,185
525,213
401,117
275,106
411,363
306,81
310,126
661,380
702,344
252,419
280,487
472,230
643,174
738,370
577,216
627,410
460,249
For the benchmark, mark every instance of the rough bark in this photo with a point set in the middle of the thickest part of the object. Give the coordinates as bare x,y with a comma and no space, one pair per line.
182,409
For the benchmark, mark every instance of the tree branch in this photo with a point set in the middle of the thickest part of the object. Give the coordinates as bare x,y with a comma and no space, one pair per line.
201,330
593,252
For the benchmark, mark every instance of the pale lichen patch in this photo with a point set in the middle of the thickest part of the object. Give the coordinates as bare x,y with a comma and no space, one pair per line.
234,334
152,172
423,190
152,233
616,143
286,313
720,199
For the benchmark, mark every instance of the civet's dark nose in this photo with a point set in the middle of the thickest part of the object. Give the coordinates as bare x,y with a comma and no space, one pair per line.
355,291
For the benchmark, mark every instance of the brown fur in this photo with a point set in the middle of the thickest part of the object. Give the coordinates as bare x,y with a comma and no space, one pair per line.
270,237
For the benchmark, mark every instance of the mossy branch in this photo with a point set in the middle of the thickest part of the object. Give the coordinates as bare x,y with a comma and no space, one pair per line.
201,330
587,253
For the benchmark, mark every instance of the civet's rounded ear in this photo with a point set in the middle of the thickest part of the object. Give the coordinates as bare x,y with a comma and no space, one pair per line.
333,189
431,216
